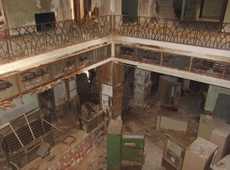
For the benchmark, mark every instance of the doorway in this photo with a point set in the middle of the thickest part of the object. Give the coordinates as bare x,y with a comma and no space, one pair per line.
130,10
213,10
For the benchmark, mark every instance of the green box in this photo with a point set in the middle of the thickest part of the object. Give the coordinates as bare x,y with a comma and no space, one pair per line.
114,152
133,148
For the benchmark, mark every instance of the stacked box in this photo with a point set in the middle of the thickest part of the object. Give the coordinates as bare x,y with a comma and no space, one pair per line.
199,155
114,140
173,156
221,137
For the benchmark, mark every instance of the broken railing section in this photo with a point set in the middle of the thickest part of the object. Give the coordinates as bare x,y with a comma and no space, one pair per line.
31,136
207,67
22,137
35,39
204,34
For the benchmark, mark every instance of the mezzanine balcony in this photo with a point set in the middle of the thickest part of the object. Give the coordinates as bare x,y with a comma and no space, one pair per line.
26,41
21,42
202,34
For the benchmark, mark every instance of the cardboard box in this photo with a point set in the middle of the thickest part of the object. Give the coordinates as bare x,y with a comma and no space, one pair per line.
224,164
207,124
173,155
199,155
170,123
221,137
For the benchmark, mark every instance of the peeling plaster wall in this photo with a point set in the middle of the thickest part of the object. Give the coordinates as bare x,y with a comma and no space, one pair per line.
21,13
218,102
117,7
213,93
20,105
212,9
106,7
146,8
227,13
142,86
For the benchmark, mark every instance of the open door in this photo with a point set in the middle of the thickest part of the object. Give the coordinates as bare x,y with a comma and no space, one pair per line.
213,10
130,10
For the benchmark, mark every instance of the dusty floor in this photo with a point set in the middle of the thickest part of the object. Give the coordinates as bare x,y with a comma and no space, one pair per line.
96,160
140,121
143,121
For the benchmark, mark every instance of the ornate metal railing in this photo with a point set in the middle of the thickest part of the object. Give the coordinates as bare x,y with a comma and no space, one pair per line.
31,40
211,35
35,39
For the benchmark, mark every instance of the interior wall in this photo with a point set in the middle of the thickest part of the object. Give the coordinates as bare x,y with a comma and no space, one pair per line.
227,13
117,6
21,13
213,9
192,9
107,7
212,96
146,8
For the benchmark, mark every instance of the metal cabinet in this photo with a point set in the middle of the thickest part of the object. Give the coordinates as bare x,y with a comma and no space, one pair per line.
173,155
133,151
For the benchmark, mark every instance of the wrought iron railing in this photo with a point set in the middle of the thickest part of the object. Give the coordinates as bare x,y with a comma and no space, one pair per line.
31,40
204,34
35,39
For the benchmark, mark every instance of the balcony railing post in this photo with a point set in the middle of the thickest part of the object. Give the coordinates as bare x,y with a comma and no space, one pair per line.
165,32
112,18
9,45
